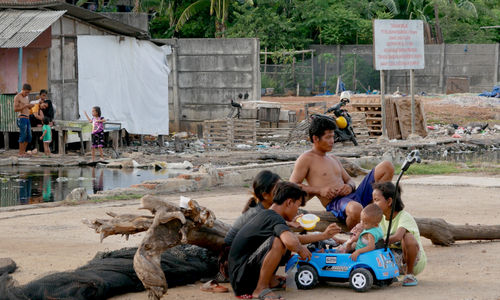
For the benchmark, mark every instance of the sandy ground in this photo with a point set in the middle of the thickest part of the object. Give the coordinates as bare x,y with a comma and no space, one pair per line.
47,240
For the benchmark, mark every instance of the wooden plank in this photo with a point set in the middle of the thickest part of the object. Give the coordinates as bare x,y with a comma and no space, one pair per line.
392,121
403,108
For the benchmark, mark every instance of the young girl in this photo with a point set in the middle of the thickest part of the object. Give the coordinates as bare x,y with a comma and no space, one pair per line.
263,186
404,238
97,130
46,136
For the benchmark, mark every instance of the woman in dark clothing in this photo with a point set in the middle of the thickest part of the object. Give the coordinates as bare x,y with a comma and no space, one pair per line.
48,112
45,110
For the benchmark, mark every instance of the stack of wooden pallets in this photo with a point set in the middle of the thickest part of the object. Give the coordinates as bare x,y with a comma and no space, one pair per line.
398,118
359,126
229,133
373,113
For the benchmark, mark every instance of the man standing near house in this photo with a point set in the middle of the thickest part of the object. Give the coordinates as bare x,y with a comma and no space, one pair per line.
22,107
329,181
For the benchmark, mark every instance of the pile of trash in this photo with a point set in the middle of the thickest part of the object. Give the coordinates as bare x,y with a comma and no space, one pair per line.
494,93
457,131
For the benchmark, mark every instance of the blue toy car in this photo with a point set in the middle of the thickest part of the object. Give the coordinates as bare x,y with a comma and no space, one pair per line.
375,267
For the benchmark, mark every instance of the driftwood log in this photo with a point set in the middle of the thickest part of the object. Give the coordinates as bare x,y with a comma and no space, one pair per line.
437,230
171,226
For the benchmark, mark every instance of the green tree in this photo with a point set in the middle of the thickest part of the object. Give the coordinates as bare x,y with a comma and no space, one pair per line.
269,23
218,7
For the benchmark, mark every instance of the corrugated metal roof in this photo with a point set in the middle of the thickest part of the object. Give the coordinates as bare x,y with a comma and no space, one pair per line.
91,17
18,28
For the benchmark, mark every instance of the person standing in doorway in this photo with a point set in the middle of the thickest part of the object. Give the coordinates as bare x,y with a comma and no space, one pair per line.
22,107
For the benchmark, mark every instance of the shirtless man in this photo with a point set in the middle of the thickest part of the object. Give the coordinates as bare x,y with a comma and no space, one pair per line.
22,106
328,180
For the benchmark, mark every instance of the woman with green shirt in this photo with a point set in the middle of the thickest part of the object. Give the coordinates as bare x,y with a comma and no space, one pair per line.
404,239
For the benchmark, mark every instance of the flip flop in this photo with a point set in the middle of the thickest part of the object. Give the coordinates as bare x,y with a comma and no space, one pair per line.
410,280
214,287
265,295
281,283
245,296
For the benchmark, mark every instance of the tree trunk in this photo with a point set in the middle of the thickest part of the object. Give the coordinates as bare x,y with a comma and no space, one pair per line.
439,34
437,230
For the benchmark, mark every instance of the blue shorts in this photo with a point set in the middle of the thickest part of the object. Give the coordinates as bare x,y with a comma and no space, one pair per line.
24,130
362,195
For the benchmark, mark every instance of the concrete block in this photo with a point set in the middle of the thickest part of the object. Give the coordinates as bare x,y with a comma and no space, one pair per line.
210,96
248,114
241,80
206,63
204,112
215,46
77,195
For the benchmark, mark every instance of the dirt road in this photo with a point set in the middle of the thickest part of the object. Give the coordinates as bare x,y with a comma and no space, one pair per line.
54,239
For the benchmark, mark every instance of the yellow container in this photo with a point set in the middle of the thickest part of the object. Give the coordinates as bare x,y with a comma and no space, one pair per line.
308,221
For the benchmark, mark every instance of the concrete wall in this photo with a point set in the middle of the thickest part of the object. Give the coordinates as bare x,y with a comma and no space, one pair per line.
63,64
479,63
206,74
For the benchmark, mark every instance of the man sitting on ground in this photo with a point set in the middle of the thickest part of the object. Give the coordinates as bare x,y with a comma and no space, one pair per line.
328,180
264,243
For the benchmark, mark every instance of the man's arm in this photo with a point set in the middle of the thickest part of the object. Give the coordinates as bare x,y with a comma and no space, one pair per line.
349,184
293,244
329,232
299,173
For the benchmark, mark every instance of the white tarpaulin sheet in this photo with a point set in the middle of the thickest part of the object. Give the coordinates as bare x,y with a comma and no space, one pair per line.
127,78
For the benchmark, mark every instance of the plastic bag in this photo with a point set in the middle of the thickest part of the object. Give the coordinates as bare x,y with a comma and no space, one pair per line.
291,285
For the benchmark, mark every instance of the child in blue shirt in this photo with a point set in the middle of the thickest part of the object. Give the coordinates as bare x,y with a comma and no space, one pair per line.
371,216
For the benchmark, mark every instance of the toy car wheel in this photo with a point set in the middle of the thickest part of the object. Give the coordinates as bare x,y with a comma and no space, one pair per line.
361,280
306,277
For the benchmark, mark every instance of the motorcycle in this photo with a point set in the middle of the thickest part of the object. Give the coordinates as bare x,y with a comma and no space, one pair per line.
341,117
344,131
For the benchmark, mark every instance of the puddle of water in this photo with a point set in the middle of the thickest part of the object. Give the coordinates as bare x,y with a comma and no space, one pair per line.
28,185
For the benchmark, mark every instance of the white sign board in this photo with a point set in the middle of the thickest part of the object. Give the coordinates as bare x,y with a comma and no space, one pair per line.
398,44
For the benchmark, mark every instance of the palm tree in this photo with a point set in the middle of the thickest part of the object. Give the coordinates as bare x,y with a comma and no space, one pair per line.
220,7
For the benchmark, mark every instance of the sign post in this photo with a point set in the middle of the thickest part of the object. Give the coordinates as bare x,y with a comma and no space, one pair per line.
398,45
